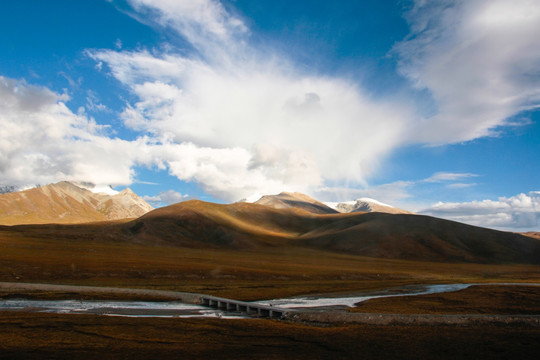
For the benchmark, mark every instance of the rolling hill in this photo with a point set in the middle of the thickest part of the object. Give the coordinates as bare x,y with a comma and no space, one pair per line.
67,203
393,236
284,221
287,200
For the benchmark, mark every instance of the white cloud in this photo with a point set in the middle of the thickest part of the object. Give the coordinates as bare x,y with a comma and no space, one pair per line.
448,176
241,120
42,141
513,213
287,127
328,119
187,16
393,193
165,198
480,61
232,97
227,174
460,185
206,24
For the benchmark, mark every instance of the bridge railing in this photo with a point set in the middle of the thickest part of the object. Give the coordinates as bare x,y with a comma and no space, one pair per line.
252,309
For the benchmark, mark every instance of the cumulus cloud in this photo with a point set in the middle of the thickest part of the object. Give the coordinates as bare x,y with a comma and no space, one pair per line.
42,141
241,120
165,198
478,58
234,98
511,213
226,173
287,128
330,121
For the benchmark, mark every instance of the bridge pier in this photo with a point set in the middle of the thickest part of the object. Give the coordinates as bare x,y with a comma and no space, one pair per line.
241,306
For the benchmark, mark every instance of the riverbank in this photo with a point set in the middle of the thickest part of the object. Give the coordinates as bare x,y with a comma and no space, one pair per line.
507,299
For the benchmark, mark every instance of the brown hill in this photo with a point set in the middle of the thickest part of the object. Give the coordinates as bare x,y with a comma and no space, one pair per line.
410,237
296,200
67,203
197,223
533,234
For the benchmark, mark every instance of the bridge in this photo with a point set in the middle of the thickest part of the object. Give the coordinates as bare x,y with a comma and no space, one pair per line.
252,309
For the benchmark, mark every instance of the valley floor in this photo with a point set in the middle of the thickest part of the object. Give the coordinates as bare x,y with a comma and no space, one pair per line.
27,335
51,336
65,255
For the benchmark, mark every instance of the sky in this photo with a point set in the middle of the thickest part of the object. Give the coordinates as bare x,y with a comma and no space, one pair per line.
431,106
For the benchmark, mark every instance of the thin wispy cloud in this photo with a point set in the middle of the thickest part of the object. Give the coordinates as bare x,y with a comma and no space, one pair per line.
448,176
478,60
165,198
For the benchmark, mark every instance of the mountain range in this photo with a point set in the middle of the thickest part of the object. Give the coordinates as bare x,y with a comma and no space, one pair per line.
276,221
366,205
68,203
246,226
287,200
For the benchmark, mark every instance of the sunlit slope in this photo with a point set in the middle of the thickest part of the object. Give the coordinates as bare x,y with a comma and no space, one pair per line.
410,237
287,200
59,203
240,225
67,203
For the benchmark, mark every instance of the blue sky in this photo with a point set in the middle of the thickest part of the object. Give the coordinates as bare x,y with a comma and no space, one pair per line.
429,106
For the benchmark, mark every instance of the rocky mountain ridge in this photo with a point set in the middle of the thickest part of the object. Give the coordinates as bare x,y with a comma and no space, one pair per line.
367,205
67,203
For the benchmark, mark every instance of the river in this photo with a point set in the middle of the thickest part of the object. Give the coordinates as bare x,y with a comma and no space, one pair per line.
183,310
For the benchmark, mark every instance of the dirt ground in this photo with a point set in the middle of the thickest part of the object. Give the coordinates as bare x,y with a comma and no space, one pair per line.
50,336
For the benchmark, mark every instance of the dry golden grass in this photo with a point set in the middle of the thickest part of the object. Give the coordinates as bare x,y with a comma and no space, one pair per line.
65,257
485,299
50,336
66,203
273,266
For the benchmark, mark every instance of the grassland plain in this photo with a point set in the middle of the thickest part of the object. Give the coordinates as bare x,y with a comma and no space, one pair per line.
251,253
246,275
28,254
52,336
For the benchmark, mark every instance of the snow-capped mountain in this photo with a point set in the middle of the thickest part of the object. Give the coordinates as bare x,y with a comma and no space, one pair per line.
366,205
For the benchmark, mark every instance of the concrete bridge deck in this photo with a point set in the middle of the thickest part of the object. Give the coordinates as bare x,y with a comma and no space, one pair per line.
248,308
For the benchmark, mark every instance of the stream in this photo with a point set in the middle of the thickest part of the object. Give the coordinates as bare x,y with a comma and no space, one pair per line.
116,308
349,300
183,310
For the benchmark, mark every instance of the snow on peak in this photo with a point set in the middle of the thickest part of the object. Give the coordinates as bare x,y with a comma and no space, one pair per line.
97,189
369,200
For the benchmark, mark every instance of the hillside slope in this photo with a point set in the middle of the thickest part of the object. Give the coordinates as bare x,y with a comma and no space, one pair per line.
287,200
409,237
66,203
